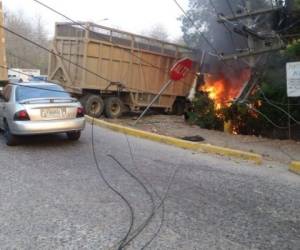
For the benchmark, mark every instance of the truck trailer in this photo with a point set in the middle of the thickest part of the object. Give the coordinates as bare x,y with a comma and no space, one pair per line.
111,71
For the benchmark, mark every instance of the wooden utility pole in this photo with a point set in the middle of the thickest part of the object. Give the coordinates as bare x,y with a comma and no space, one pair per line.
3,69
257,44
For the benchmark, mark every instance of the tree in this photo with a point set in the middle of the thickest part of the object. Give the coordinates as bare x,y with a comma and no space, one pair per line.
20,53
157,31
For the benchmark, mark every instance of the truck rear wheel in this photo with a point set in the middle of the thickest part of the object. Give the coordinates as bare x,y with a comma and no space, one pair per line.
114,107
93,105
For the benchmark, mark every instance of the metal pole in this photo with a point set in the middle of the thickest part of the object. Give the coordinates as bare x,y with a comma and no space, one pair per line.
289,111
251,42
167,84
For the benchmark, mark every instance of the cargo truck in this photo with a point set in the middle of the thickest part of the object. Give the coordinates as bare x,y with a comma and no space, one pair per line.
111,71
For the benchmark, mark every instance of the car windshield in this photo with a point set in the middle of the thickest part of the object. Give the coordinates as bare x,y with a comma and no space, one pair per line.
40,91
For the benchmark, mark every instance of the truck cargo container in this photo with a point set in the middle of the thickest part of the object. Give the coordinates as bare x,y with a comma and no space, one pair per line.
136,66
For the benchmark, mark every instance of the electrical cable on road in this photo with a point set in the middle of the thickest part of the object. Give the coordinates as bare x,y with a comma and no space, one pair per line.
140,229
113,189
152,214
86,28
49,51
97,164
42,47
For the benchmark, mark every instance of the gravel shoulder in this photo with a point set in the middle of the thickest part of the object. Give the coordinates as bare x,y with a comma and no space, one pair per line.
282,151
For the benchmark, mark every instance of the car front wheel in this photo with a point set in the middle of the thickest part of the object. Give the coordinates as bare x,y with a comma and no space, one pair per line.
74,135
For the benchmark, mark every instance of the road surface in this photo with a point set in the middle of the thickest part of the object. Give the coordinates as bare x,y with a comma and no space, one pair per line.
51,197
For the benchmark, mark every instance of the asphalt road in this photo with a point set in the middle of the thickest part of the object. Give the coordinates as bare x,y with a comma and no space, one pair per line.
51,197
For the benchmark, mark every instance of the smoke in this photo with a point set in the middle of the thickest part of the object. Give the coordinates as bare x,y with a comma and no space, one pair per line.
227,37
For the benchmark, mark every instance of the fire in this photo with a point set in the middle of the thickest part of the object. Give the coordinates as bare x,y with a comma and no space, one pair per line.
223,89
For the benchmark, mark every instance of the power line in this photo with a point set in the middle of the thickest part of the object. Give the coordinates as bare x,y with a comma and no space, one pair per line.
140,228
266,117
67,60
113,189
230,7
32,87
193,23
163,206
21,59
53,53
94,154
42,47
165,70
277,107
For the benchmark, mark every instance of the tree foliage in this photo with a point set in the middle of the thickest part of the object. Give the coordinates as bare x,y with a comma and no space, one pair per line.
270,100
203,113
157,31
20,53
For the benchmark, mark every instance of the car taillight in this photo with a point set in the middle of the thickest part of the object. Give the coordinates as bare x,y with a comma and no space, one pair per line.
80,112
21,116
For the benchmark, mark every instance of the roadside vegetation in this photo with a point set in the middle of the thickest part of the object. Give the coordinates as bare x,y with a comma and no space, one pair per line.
21,54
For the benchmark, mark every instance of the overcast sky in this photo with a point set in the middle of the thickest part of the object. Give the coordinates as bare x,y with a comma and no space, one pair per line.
130,15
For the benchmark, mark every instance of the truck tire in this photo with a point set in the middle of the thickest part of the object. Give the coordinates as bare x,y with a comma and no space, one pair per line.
93,105
114,107
11,140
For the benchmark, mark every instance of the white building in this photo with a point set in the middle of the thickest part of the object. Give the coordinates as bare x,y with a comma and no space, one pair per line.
23,74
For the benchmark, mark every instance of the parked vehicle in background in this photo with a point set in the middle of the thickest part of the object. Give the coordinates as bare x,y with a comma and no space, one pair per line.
43,78
136,66
39,108
24,75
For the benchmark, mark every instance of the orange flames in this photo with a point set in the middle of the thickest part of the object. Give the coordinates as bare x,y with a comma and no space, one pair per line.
224,89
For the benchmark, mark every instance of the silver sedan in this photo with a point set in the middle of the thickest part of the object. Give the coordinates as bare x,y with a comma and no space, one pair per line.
39,108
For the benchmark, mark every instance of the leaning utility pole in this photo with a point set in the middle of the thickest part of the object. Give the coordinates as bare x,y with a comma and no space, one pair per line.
258,42
3,69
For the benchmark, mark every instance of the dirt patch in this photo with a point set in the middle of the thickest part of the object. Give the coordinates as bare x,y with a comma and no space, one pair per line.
276,150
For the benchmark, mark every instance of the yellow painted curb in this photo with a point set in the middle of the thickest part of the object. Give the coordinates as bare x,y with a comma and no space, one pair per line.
206,148
295,167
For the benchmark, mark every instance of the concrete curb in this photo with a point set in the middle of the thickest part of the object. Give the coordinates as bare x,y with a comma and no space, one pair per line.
295,167
200,147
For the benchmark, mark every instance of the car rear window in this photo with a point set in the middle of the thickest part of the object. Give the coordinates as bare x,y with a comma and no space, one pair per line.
40,91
